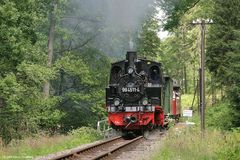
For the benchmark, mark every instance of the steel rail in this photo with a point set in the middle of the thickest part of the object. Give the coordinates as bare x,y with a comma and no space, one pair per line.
110,152
71,153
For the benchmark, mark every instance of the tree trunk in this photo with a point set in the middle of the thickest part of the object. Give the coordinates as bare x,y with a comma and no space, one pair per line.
185,79
61,77
213,91
184,60
46,88
194,76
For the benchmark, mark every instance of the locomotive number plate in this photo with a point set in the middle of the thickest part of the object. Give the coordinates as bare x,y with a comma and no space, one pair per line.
127,89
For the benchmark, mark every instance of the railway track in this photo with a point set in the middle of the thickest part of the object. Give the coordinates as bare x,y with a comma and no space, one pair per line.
100,150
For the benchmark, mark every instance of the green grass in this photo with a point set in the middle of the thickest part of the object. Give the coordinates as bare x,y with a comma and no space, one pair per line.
43,145
186,101
187,144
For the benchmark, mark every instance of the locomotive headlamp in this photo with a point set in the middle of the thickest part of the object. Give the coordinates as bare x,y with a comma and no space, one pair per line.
116,102
145,101
130,70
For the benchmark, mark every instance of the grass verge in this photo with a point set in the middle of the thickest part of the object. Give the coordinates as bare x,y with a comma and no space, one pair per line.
187,144
43,145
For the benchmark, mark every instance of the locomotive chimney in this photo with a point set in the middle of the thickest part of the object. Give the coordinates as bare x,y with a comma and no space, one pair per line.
131,57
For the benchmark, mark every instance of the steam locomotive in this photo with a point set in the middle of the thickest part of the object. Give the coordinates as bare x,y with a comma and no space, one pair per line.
139,97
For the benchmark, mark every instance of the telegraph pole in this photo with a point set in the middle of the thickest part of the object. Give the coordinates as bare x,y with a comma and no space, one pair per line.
202,77
202,24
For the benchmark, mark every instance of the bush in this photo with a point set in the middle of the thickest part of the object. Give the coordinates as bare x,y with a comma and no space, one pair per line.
221,116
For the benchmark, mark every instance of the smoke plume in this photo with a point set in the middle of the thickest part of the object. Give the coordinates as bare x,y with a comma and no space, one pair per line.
116,23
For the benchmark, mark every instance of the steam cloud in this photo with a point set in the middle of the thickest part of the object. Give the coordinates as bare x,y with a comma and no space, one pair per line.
119,22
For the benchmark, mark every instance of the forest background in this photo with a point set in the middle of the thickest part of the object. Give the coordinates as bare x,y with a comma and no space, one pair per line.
56,57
